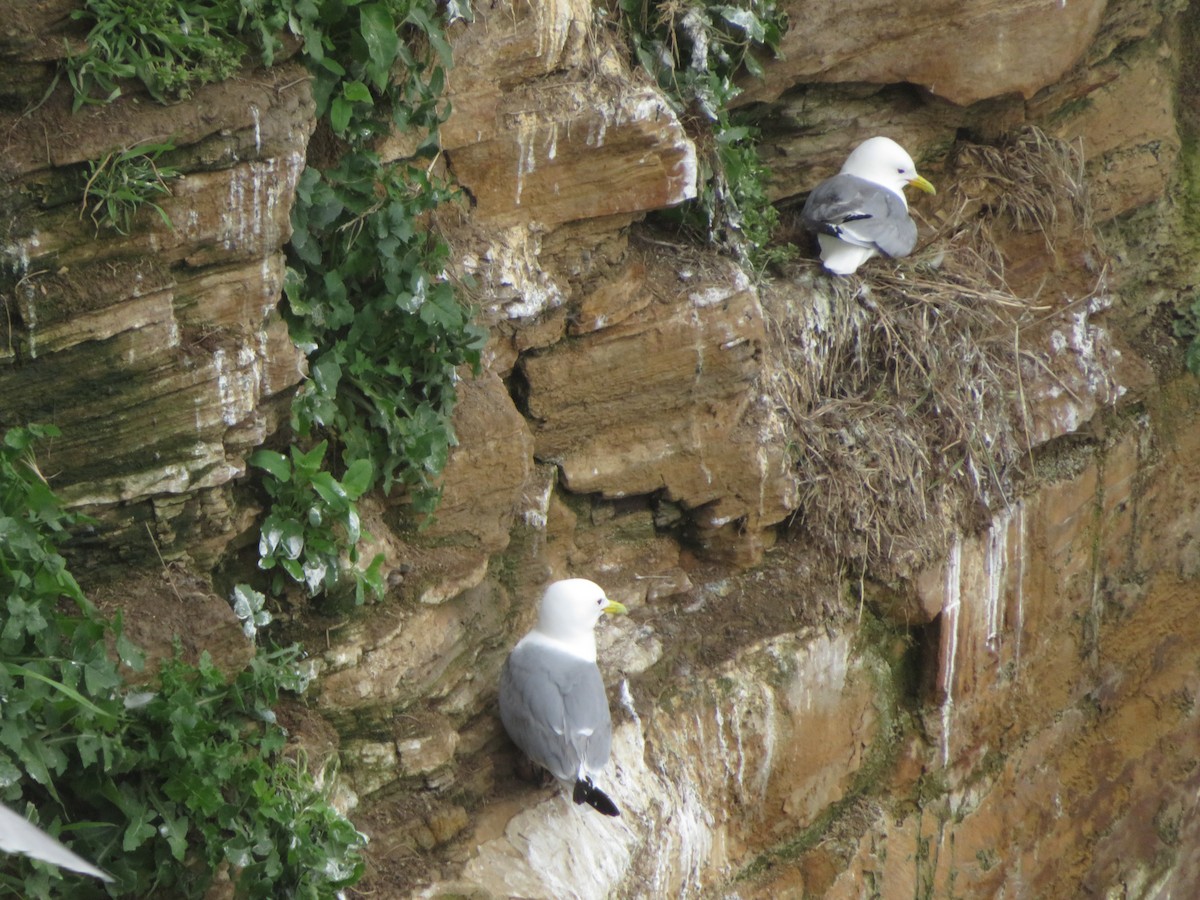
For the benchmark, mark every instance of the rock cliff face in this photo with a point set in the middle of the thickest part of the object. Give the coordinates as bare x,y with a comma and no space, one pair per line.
995,697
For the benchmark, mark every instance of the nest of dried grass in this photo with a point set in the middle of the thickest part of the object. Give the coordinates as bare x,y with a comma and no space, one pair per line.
903,385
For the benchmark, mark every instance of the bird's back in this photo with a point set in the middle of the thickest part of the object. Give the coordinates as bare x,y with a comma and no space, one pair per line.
554,707
861,212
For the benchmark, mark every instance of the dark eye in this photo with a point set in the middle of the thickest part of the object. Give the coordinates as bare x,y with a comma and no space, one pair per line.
900,171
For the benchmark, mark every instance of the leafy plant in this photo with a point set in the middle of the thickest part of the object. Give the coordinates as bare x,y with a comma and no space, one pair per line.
312,518
386,329
122,182
162,788
694,50
366,290
250,608
376,65
1187,328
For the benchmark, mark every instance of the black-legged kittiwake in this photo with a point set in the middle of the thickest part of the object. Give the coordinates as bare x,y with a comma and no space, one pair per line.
19,835
552,700
862,211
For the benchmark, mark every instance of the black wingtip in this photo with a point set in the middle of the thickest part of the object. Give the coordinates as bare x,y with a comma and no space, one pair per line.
586,792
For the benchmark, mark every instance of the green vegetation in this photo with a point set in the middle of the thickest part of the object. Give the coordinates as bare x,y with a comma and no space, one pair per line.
367,291
152,41
163,785
312,518
172,782
1186,320
124,181
170,46
695,51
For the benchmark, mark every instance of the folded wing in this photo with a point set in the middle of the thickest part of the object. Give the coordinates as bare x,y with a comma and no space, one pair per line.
862,213
554,707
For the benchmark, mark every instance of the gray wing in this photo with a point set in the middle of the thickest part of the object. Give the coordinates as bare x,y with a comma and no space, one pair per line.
19,835
860,212
554,707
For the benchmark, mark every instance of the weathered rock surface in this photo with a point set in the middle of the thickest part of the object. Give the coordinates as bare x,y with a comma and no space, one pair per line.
963,51
666,398
1018,720
1054,739
702,777
1117,105
157,353
546,130
577,156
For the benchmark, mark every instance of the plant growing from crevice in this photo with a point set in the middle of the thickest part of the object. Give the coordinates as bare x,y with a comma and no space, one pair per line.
249,606
169,46
367,292
1186,320
312,519
695,51
125,181
163,783
1187,329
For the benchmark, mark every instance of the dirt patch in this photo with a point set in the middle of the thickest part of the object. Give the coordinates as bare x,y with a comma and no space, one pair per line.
160,608
796,587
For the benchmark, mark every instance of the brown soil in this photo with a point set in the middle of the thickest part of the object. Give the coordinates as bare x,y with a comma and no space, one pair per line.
160,608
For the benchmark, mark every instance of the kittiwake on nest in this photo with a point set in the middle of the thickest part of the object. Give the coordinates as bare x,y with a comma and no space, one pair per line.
552,700
861,211
19,835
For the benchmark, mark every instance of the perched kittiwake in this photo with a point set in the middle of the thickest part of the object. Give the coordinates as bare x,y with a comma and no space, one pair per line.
19,835
552,700
861,211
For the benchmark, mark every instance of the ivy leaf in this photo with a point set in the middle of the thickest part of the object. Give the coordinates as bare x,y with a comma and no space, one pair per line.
23,618
339,115
358,478
383,43
329,490
308,463
175,830
744,20
139,830
130,653
291,542
276,463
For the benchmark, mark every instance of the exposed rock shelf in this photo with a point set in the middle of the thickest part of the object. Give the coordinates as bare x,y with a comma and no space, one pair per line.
1003,704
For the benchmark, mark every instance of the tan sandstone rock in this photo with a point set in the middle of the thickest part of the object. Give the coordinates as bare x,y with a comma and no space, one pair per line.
702,777
531,144
666,399
158,353
963,51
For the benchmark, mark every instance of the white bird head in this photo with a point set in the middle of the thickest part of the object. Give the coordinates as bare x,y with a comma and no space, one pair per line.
573,607
886,163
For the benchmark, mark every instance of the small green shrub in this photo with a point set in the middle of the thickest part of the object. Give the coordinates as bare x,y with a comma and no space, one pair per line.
164,784
313,517
125,181
694,51
367,294
385,330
